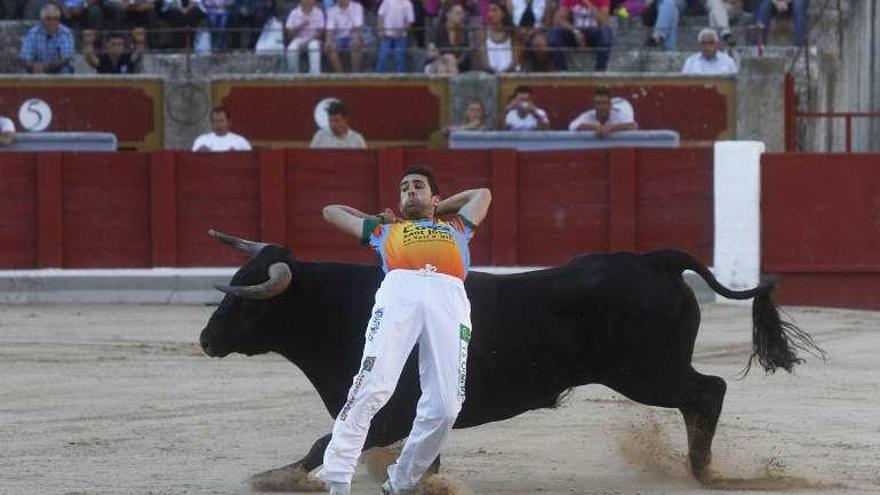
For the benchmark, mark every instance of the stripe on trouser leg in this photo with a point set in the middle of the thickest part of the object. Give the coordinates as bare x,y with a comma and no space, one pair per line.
366,367
464,334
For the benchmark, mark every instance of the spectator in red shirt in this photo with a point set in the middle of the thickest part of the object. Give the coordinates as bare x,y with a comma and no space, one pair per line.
579,24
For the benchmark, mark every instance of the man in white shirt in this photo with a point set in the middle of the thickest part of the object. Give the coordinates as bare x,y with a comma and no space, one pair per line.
304,28
709,61
345,21
339,135
7,131
221,139
522,114
604,118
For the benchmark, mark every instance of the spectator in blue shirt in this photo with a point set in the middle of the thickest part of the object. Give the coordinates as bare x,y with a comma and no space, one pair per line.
48,47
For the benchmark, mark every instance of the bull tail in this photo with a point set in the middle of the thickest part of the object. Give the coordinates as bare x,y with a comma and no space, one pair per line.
775,342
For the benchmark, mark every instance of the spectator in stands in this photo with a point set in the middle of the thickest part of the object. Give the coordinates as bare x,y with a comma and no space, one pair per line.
522,114
7,131
395,18
339,134
538,55
665,32
221,139
579,24
183,16
127,14
80,14
474,119
450,52
248,18
48,47
710,60
530,14
304,28
345,25
604,118
114,59
721,12
218,12
798,9
499,43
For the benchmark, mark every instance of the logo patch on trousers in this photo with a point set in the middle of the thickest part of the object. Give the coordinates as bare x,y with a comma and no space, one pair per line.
366,367
375,321
464,333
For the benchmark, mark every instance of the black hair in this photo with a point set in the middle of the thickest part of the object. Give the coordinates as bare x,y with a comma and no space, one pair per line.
522,89
425,170
336,107
602,91
223,110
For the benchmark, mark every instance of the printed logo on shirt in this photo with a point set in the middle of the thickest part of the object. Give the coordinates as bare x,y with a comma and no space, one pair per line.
375,321
414,233
464,339
366,367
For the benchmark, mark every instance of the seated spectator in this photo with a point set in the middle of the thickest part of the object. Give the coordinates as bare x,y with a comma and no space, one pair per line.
474,119
7,131
604,118
578,24
339,134
114,59
499,44
80,14
522,114
48,47
345,25
710,60
450,52
183,16
304,28
248,18
395,18
217,12
665,32
798,8
538,56
127,14
721,12
221,139
529,14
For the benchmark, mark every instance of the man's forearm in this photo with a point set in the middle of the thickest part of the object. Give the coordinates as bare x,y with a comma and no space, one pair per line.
6,137
454,203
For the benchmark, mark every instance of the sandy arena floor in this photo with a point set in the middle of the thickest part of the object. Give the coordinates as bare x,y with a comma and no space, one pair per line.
120,399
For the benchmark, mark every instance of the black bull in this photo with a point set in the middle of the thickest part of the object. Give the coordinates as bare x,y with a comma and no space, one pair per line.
622,320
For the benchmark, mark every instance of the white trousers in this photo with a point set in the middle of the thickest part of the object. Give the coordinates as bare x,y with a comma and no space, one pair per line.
411,307
314,49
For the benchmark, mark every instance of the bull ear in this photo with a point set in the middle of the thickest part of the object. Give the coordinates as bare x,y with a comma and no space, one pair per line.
250,247
279,280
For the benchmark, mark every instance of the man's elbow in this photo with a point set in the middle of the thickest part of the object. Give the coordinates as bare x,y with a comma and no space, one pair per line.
329,213
485,195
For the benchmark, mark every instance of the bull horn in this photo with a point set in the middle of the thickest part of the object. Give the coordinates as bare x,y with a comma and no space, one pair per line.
250,247
279,280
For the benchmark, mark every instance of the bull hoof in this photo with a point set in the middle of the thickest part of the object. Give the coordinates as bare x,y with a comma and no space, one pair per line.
291,478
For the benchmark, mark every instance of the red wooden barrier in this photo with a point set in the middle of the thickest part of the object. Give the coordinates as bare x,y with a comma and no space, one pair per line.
821,228
138,210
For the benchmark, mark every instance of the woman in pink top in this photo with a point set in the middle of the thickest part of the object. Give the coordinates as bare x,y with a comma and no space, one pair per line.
395,18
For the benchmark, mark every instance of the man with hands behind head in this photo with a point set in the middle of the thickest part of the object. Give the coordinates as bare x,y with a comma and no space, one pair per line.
421,300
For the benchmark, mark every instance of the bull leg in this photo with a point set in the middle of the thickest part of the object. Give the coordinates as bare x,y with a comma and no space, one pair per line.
701,410
698,397
294,477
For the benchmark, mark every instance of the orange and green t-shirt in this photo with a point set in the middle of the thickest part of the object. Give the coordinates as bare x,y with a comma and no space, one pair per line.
417,244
